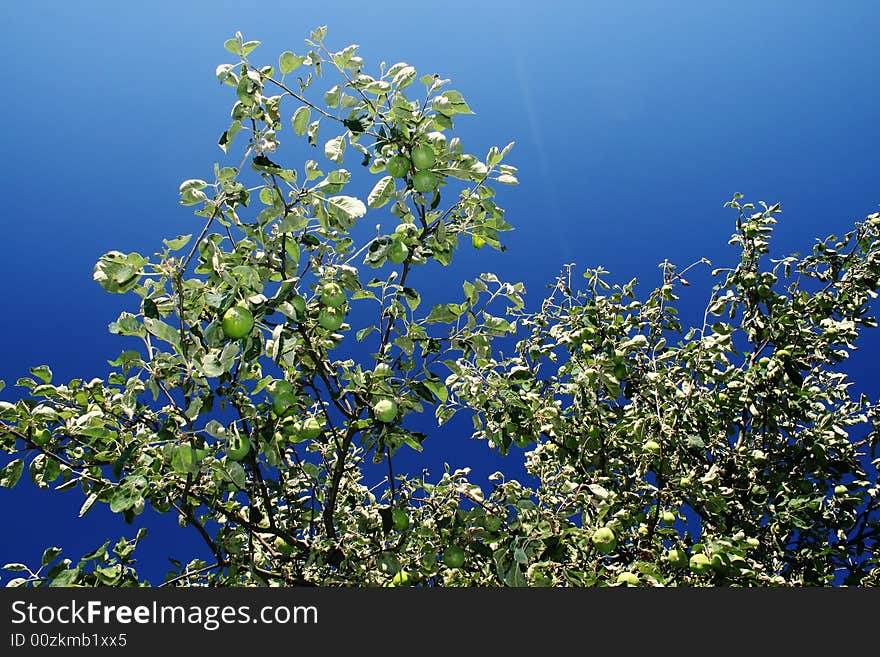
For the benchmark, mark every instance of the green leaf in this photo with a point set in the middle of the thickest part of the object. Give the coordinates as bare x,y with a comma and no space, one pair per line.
121,500
406,345
412,298
43,373
184,460
438,388
289,62
193,184
449,103
108,575
300,120
334,150
514,576
332,95
49,555
496,324
228,355
263,163
312,132
233,46
119,463
15,567
65,578
343,58
493,157
412,440
127,324
248,47
177,243
312,170
444,313
381,192
162,331
364,332
10,474
693,441
225,74
215,429
404,77
234,472
226,138
88,504
44,470
388,562
346,208
319,33
211,365
245,91
292,248
119,272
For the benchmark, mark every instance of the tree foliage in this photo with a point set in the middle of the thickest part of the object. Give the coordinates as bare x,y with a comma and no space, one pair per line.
282,353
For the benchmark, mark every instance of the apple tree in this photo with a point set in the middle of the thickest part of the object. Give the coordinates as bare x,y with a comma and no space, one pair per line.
280,355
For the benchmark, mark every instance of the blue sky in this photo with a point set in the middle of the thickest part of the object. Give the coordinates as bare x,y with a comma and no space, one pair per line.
634,122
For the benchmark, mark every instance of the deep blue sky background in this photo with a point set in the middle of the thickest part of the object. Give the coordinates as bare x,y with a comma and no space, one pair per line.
634,123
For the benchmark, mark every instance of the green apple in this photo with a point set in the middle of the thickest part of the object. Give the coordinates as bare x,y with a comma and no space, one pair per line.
425,182
668,517
677,558
385,410
237,446
840,489
718,563
282,546
331,318
751,541
398,166
401,578
423,156
332,295
630,579
651,446
405,229
283,404
400,519
382,371
604,539
453,556
310,428
237,322
397,251
700,563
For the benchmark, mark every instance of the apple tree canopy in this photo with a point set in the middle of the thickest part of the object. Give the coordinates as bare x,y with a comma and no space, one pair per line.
731,452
